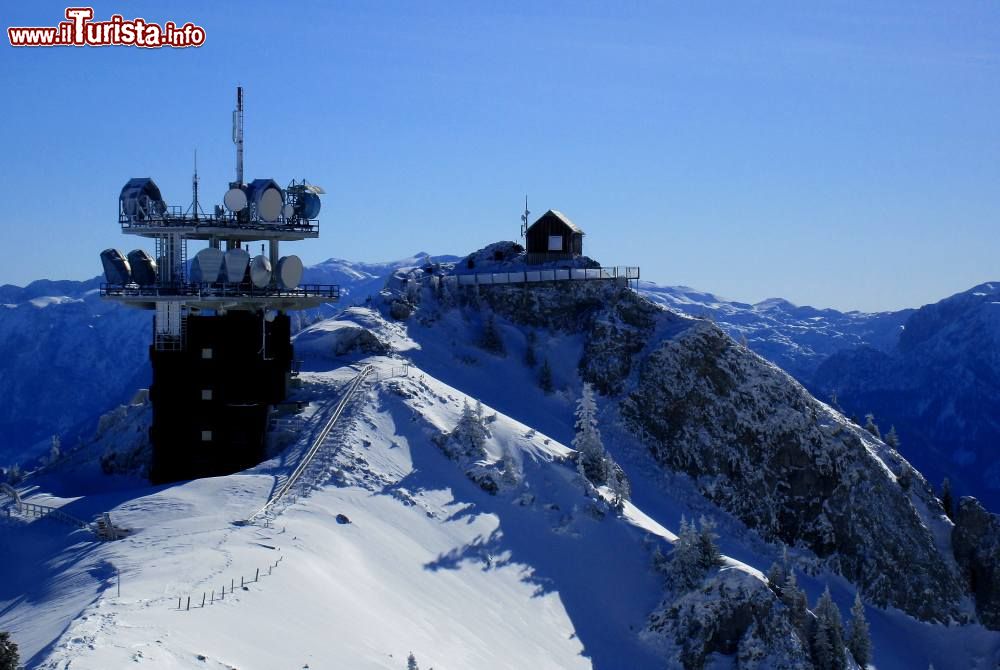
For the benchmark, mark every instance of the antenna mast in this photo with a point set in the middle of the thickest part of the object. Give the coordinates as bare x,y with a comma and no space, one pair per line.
238,134
524,217
194,187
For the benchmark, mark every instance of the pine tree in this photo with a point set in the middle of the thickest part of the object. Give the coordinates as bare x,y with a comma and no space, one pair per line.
491,340
798,605
545,377
708,550
828,635
10,658
892,438
592,461
411,662
946,500
871,426
859,639
529,352
776,577
470,432
686,569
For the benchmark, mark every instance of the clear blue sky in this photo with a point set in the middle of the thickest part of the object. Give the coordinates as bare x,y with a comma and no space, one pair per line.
836,154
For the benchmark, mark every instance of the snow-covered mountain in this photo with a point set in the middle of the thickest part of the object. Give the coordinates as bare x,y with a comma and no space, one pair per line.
502,555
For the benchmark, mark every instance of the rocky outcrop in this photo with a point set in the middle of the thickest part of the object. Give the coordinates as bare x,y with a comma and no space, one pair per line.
976,541
760,447
733,614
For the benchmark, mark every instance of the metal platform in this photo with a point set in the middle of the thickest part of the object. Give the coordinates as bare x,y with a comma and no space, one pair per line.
225,226
226,296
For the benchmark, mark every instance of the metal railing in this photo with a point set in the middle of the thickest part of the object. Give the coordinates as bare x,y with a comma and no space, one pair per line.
557,274
331,291
175,219
307,459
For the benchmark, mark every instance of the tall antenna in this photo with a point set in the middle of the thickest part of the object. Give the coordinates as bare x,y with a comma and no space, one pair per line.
524,217
238,134
194,187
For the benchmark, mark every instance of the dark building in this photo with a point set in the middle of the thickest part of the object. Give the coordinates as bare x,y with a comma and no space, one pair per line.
211,398
553,237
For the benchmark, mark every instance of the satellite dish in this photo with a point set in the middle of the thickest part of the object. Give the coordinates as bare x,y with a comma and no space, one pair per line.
260,271
235,200
210,264
234,265
289,272
269,205
318,190
287,211
116,267
143,267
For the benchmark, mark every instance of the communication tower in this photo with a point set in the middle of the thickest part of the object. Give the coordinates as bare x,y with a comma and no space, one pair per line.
221,353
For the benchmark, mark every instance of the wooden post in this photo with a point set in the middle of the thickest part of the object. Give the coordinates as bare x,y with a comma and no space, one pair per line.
202,598
213,597
269,570
241,582
189,604
178,602
232,585
256,577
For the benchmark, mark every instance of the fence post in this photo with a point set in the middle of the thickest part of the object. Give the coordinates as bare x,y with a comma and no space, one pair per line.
241,582
213,597
189,604
232,585
257,576
178,602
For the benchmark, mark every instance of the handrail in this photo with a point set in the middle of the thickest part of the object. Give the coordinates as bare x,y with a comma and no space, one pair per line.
12,492
626,273
352,388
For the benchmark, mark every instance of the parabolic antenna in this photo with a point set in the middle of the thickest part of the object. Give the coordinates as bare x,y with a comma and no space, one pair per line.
288,211
289,272
116,267
260,271
210,264
234,265
235,200
269,205
143,267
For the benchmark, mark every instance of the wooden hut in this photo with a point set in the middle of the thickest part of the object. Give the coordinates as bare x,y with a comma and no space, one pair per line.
553,237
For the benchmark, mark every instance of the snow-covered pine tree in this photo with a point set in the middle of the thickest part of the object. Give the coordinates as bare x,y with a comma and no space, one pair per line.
545,377
686,565
828,635
592,462
10,658
871,426
859,639
798,606
946,498
776,577
470,432
411,662
892,438
708,550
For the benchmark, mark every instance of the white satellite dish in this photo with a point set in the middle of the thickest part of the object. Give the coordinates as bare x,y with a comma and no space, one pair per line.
287,211
269,205
260,271
234,267
289,272
210,264
235,200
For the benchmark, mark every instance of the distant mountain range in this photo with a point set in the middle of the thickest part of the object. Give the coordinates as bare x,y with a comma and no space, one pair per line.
934,373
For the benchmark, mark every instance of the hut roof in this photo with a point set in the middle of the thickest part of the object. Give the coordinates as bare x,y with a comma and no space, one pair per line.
562,217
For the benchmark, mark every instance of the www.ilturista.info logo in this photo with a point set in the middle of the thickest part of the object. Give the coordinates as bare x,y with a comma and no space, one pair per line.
80,30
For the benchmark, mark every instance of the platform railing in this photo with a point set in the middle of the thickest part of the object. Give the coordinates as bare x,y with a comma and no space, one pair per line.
330,291
625,273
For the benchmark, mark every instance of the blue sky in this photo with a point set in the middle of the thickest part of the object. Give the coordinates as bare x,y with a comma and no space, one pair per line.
836,154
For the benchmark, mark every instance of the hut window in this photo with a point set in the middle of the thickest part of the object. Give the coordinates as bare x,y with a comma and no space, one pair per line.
206,353
555,243
206,436
206,394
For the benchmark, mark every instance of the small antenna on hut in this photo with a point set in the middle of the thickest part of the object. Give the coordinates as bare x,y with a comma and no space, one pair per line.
238,134
524,217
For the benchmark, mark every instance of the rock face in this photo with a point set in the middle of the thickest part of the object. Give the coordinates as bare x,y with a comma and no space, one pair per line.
759,446
976,541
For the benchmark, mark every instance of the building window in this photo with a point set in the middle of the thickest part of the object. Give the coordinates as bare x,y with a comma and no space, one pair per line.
555,243
206,436
206,394
206,353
